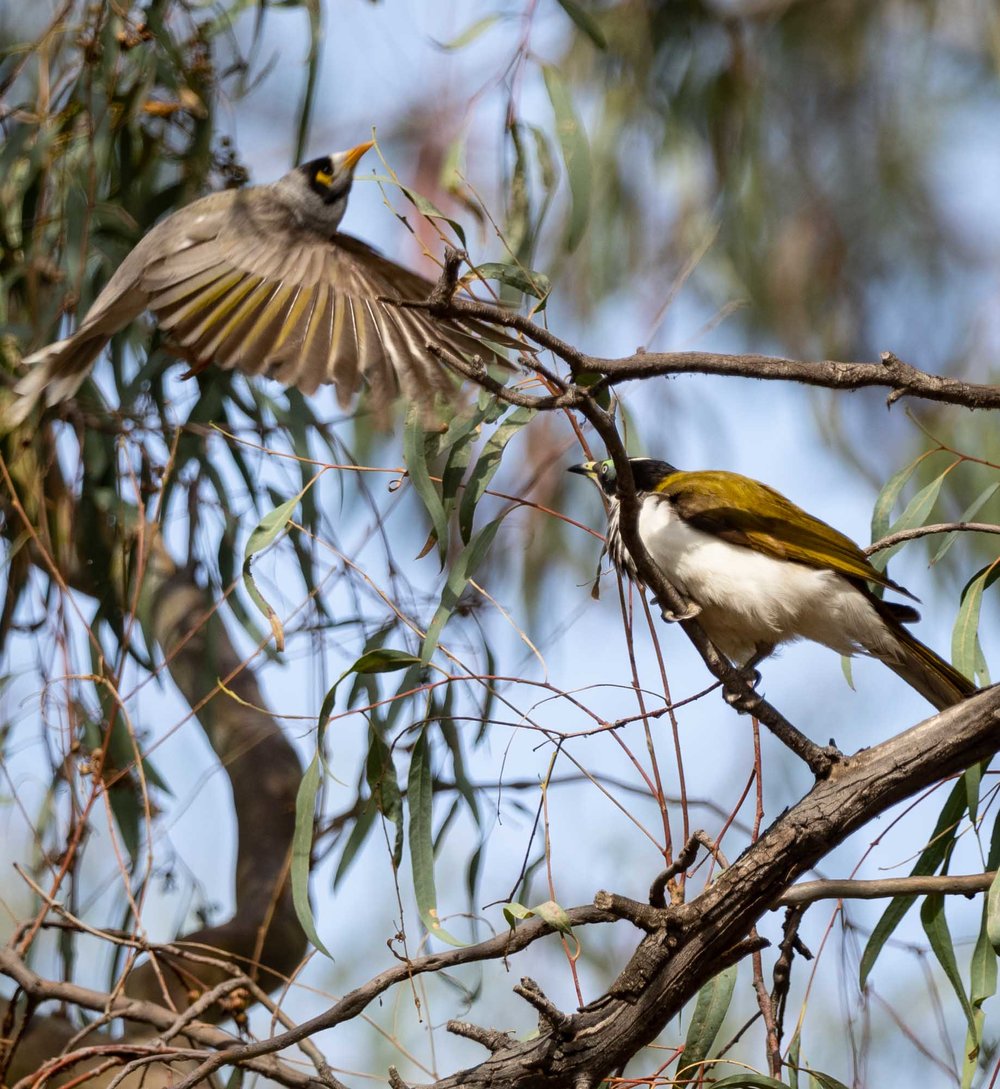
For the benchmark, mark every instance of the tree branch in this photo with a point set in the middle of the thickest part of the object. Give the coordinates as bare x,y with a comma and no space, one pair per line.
957,884
925,531
890,372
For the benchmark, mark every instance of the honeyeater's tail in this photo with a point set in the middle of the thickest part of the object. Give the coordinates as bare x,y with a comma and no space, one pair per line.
55,374
922,669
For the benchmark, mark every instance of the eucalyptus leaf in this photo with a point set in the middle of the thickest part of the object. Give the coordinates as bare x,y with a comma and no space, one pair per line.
420,801
710,1009
575,152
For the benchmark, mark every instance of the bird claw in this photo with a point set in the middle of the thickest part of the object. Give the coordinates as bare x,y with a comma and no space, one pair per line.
752,677
691,610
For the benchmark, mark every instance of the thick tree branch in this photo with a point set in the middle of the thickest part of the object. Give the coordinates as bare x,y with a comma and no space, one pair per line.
663,974
134,1009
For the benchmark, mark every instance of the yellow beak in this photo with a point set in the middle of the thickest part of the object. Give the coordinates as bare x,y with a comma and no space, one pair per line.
351,157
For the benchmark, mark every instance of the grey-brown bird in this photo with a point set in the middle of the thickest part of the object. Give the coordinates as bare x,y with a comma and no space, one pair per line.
261,280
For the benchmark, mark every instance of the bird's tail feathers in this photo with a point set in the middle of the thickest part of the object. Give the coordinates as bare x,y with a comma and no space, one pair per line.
56,373
934,678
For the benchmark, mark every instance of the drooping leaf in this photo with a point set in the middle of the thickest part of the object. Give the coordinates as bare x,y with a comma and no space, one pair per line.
380,771
965,650
265,533
427,208
982,985
993,913
415,440
487,465
749,1080
462,570
886,500
710,1009
420,801
931,858
526,280
471,33
967,515
549,912
915,513
585,21
935,926
575,152
305,810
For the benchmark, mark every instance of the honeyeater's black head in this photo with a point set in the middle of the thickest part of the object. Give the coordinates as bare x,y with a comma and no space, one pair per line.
330,176
646,472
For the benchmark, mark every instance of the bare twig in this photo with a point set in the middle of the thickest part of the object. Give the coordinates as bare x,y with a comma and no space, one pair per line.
946,884
924,531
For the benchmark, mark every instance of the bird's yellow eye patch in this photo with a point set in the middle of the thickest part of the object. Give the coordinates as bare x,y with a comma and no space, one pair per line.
323,177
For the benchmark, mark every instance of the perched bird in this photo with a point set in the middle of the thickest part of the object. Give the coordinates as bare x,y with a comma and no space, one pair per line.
759,571
261,280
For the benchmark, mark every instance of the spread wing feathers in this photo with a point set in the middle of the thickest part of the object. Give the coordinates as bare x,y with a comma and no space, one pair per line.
746,512
275,299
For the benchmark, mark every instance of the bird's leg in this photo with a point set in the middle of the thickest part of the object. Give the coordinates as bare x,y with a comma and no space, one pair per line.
749,670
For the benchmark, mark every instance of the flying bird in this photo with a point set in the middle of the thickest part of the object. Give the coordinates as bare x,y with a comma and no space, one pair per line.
759,571
261,280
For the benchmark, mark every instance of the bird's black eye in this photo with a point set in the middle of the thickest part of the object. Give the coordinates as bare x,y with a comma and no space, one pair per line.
321,174
324,180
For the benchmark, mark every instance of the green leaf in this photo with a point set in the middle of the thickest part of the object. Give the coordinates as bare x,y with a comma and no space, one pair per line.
428,209
931,858
470,34
585,21
415,440
826,1081
379,660
355,841
993,913
420,799
973,779
749,1081
267,530
982,985
526,280
965,651
935,925
914,514
305,811
887,497
549,912
380,771
575,153
517,227
459,440
710,1011
486,467
462,570
967,515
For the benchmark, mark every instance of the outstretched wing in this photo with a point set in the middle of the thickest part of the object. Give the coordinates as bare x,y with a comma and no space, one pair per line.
745,512
248,288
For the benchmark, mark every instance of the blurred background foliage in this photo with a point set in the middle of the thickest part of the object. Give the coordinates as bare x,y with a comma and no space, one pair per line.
816,179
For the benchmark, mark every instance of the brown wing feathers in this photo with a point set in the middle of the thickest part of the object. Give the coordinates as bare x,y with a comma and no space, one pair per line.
305,313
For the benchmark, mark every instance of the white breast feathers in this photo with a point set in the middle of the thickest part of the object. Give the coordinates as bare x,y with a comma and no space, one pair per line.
749,599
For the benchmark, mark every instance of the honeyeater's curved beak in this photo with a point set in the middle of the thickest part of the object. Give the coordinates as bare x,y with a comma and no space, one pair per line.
585,468
350,160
